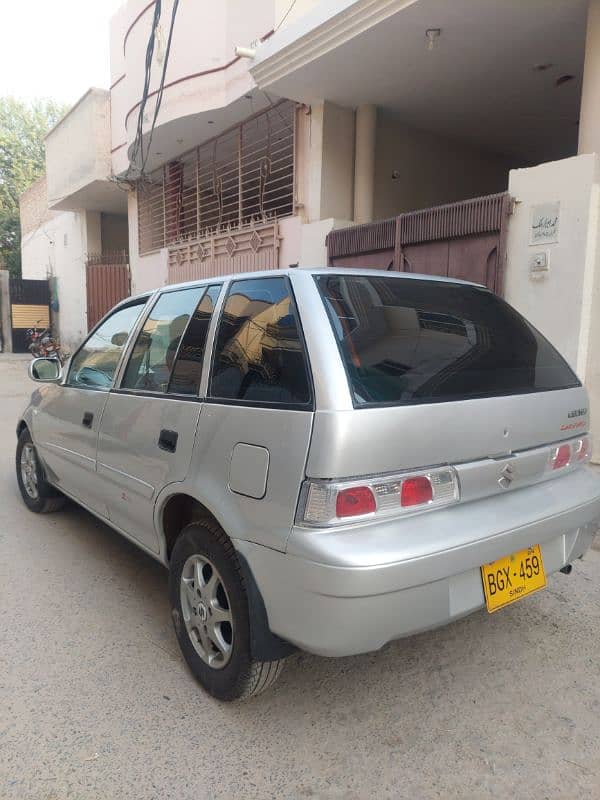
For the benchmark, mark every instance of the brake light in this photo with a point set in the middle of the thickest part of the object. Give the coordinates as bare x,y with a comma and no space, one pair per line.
416,491
582,449
326,503
355,502
561,456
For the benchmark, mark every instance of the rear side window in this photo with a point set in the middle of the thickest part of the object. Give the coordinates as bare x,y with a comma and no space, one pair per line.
409,341
259,354
185,378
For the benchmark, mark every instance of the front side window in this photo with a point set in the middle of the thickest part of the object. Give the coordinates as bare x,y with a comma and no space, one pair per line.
151,361
259,353
95,363
408,341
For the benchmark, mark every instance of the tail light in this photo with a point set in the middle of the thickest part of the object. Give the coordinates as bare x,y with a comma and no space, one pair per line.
582,449
355,502
327,503
560,456
568,454
416,491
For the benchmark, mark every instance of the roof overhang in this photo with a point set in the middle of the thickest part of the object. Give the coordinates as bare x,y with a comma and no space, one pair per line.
97,195
493,76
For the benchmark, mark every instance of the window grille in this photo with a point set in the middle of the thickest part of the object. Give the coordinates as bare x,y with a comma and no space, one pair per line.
245,175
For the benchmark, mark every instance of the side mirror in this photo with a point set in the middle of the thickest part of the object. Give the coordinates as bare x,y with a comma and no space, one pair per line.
119,339
45,370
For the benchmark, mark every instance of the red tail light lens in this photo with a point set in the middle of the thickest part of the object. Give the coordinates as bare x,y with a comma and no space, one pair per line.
355,502
416,491
561,456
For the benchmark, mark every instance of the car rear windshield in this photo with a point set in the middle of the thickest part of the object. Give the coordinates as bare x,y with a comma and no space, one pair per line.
406,341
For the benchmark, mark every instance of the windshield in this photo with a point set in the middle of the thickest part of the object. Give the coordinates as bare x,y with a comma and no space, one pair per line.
408,341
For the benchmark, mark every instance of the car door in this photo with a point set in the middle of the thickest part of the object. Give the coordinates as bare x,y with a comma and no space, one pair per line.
255,428
66,417
149,423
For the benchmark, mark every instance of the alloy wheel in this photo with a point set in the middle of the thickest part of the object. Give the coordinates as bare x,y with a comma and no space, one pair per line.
29,473
207,611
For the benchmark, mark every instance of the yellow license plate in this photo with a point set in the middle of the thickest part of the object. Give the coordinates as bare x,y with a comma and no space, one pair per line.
513,577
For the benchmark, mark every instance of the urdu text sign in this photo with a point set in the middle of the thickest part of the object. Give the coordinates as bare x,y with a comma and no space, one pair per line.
544,223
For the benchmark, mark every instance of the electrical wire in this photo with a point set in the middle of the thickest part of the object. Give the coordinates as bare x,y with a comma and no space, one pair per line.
161,88
138,141
285,16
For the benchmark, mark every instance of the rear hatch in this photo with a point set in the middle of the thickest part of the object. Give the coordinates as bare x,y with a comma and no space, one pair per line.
442,373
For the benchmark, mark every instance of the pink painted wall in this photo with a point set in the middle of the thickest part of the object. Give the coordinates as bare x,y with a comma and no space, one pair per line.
203,42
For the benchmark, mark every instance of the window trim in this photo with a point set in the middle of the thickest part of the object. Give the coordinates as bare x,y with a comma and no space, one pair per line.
433,401
142,301
225,401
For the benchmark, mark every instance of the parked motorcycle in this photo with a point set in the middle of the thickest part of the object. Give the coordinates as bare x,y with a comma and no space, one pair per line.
42,344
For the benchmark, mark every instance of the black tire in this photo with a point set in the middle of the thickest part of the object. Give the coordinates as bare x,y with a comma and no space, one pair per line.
241,677
47,498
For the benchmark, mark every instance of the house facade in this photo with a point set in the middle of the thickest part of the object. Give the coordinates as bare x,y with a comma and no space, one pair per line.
453,138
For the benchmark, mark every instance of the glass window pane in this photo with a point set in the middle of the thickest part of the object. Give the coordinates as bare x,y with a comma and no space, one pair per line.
95,364
259,355
188,367
407,341
151,361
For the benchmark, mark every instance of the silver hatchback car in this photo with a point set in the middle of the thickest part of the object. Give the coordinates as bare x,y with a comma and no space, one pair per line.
326,460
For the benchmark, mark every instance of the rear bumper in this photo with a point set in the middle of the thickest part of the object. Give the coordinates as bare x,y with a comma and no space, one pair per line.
339,593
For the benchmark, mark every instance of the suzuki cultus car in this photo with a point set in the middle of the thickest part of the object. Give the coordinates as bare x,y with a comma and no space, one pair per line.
325,460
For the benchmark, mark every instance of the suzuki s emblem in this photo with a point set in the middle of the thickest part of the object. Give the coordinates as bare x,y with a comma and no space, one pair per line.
507,474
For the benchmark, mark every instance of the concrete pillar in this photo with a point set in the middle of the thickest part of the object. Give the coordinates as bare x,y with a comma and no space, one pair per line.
589,115
330,167
364,163
5,327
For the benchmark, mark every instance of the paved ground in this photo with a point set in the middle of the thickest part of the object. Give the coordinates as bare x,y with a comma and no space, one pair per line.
95,701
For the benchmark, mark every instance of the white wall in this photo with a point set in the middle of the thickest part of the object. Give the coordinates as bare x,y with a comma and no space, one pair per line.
78,147
554,302
149,271
563,303
432,169
313,252
56,248
290,231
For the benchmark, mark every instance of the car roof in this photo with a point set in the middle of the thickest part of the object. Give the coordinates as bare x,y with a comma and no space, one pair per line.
277,273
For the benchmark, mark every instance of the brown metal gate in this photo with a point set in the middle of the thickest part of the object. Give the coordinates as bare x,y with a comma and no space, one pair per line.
107,281
465,240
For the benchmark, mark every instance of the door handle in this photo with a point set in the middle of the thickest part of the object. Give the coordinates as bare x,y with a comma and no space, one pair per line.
87,420
168,440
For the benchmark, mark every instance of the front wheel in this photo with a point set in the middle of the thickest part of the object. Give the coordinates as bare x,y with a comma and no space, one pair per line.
38,495
210,612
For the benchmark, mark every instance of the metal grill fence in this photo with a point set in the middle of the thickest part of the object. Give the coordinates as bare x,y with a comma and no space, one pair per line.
243,176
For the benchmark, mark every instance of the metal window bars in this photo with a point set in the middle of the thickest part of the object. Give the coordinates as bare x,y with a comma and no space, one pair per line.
244,176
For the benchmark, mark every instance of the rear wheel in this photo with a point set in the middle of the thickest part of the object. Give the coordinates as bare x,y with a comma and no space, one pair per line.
210,612
38,495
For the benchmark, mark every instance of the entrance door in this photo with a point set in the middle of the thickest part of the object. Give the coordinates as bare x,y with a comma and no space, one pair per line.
468,258
29,308
66,417
149,423
107,283
465,240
